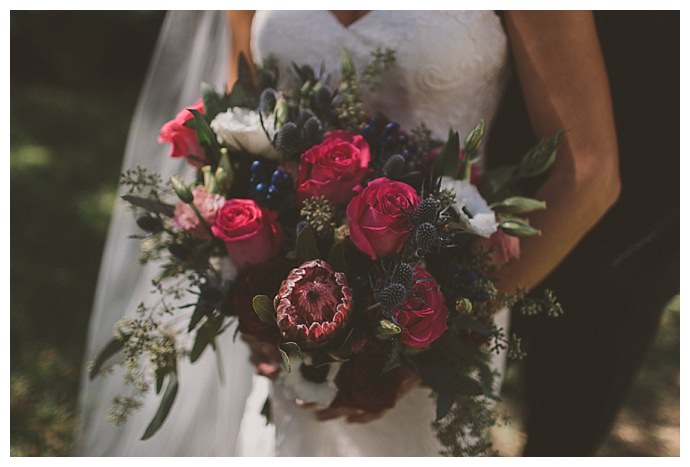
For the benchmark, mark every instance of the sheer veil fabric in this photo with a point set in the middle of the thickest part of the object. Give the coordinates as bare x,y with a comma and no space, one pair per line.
192,48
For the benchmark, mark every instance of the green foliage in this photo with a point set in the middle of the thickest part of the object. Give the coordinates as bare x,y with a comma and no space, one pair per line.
111,349
263,307
447,163
305,246
244,92
165,406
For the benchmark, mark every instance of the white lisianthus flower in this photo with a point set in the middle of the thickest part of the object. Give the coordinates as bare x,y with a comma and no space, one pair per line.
475,213
241,129
295,386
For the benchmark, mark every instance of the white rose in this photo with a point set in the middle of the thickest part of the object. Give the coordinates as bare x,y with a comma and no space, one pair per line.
241,129
475,213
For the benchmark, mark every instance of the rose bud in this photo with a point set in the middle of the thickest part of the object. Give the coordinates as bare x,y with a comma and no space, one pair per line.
379,217
313,304
182,139
334,167
251,233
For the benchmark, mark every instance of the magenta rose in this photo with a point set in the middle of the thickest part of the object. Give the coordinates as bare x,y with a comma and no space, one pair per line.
183,140
334,167
502,247
313,304
379,217
423,315
251,233
208,205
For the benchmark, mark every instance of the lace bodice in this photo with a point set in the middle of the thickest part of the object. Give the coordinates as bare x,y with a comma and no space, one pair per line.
451,65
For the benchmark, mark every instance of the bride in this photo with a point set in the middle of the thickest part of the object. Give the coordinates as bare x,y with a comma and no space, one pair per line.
450,71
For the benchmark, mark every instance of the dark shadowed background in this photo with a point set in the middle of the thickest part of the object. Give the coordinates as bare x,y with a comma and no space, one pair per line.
75,78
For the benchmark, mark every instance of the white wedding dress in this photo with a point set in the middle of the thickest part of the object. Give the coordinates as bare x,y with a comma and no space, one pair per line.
450,72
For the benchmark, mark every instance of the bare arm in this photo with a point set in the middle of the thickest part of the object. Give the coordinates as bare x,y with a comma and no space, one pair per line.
239,23
564,81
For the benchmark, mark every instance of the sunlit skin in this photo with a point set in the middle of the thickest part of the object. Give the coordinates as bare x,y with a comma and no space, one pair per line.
564,82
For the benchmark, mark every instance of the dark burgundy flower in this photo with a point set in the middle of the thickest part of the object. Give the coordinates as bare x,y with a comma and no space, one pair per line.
313,304
264,279
362,383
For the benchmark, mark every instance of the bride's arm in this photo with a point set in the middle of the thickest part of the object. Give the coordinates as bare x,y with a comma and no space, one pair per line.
565,85
239,25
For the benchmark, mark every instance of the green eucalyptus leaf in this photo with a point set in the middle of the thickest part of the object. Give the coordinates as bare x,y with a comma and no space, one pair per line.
150,205
263,307
164,407
305,246
160,378
205,336
110,349
202,309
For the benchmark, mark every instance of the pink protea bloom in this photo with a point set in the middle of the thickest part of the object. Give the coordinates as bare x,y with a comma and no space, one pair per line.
208,205
313,304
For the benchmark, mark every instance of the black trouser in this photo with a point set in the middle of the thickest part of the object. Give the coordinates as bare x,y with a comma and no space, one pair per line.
579,367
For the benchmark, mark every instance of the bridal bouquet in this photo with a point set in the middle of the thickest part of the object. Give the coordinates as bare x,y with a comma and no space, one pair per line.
362,251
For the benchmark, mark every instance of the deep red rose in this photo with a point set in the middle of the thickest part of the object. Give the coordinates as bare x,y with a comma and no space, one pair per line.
423,314
251,233
183,140
264,279
334,167
313,304
379,217
362,384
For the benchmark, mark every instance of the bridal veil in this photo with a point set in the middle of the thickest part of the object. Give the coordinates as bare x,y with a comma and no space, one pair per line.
192,48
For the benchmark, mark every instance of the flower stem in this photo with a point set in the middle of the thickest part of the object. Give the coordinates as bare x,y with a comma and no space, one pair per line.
202,220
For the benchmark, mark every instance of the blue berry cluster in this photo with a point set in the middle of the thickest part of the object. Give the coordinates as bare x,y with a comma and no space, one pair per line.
461,282
270,186
386,139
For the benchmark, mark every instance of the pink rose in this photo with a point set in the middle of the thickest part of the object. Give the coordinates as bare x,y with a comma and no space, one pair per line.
379,217
208,205
182,139
423,315
251,233
502,247
334,167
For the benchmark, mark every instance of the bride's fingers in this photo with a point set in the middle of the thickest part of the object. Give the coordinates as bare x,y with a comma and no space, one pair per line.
329,414
365,417
268,370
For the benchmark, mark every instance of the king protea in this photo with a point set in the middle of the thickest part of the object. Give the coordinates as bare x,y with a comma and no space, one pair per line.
313,304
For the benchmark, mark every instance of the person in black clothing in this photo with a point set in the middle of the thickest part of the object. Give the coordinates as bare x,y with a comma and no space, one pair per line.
614,285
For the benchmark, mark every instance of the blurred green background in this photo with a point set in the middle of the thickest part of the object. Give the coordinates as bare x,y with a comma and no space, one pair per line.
75,78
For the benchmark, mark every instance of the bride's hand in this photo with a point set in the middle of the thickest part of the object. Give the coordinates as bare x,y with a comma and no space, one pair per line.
361,416
265,357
